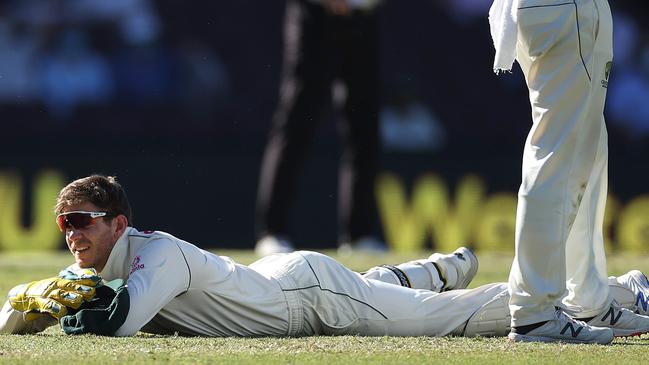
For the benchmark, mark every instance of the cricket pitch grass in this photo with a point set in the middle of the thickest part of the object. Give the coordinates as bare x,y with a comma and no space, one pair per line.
53,347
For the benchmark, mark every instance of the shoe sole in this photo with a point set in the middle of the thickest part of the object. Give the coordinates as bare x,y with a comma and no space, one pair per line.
628,333
466,252
515,337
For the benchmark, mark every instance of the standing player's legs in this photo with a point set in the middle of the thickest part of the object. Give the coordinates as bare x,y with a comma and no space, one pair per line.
586,258
358,128
308,71
586,264
559,156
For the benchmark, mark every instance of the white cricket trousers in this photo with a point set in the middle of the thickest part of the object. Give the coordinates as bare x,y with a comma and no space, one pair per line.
326,298
565,51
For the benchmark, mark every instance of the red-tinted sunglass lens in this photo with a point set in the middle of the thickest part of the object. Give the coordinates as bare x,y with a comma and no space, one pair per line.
61,222
74,220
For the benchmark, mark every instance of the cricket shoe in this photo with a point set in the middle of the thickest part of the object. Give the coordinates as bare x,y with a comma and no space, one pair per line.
563,328
364,245
637,282
269,245
622,321
456,269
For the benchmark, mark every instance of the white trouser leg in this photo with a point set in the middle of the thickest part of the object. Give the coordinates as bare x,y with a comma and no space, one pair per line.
586,274
338,301
562,50
588,290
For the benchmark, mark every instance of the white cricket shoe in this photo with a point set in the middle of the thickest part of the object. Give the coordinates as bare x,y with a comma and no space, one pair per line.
269,245
456,269
365,245
562,328
622,321
637,282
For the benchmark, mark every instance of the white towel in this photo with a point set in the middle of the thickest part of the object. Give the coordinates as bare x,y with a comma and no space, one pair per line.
504,32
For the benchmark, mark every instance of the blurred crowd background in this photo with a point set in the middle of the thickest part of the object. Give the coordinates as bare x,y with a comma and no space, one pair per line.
175,98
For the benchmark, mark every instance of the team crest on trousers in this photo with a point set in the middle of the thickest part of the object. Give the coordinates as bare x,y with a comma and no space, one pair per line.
607,73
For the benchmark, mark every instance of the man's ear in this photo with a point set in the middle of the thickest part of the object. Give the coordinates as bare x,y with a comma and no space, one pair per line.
120,224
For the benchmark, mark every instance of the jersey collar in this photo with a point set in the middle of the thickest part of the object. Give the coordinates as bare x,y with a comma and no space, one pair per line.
116,263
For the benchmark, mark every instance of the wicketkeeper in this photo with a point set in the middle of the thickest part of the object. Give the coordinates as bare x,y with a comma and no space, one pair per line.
124,281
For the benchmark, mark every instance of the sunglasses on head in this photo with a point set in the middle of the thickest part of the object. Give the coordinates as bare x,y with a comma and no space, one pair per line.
79,219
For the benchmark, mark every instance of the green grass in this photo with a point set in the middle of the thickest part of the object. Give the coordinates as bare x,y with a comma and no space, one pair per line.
52,347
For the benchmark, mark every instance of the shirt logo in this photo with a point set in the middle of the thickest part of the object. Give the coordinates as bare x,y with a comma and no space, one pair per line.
136,265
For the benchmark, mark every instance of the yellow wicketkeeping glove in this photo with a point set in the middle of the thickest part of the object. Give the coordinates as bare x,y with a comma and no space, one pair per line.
51,296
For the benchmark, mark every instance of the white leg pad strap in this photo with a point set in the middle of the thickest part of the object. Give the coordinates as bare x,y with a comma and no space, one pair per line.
422,275
418,274
448,272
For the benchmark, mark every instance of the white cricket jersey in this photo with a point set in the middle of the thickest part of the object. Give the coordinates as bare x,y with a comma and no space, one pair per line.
175,286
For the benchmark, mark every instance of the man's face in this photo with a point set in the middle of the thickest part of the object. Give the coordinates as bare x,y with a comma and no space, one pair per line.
92,244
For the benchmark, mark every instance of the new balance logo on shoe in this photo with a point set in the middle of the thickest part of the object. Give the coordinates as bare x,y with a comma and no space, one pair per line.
622,321
614,318
573,332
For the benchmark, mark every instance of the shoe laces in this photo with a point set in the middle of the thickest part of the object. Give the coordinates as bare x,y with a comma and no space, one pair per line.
563,316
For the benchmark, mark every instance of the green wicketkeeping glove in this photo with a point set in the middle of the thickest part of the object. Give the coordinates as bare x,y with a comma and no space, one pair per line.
51,296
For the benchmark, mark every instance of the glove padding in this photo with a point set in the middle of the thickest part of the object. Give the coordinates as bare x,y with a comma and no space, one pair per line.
80,274
53,296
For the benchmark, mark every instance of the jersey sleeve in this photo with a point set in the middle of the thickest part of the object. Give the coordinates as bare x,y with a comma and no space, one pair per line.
159,273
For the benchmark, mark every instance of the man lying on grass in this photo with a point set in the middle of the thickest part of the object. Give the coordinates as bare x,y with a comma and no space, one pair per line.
124,281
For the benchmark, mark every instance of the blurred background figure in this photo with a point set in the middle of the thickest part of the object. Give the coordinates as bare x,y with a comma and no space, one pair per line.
326,43
19,50
74,74
407,124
